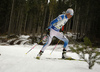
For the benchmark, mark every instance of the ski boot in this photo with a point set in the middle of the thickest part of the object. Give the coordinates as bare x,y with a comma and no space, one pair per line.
39,55
64,56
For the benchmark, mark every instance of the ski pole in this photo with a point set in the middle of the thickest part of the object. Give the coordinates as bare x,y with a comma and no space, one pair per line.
54,47
35,45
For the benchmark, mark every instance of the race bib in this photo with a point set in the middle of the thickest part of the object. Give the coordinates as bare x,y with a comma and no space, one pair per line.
58,26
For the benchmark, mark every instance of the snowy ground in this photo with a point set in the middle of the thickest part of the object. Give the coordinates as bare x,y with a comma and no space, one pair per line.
14,59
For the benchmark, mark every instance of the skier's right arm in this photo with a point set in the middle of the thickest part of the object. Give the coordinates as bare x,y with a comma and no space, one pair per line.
52,22
59,18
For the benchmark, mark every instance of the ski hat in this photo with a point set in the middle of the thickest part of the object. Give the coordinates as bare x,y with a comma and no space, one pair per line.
70,10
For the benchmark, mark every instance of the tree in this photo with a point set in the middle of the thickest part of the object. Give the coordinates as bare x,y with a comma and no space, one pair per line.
10,23
87,49
21,16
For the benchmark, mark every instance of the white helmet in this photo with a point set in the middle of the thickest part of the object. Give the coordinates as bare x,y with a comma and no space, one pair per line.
70,10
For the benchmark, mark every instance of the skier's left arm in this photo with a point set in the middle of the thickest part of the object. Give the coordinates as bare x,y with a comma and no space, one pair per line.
62,28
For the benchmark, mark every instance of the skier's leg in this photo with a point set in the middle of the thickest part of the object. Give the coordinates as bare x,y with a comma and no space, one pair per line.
44,47
52,33
47,43
63,38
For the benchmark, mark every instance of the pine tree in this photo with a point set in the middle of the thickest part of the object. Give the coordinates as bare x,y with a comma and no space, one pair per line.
87,49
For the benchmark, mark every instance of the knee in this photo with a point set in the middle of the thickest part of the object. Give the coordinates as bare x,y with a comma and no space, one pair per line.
47,43
66,43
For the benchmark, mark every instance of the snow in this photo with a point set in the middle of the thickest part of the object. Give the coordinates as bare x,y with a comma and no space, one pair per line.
14,59
24,36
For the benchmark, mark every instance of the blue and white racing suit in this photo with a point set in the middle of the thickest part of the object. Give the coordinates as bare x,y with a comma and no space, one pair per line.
54,27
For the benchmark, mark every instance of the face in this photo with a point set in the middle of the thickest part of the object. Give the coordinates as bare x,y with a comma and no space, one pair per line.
68,15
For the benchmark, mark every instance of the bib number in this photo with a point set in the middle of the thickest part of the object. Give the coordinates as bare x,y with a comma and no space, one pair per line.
58,26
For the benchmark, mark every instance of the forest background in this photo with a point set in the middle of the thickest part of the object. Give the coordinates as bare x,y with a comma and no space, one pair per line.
32,17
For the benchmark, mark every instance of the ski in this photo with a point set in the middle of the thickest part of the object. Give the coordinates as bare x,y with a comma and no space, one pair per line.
65,59
70,59
38,58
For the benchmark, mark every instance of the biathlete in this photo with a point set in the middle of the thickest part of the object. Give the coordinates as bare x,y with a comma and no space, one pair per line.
53,30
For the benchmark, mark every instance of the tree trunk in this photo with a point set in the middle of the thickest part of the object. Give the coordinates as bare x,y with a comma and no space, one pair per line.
10,23
21,21
25,22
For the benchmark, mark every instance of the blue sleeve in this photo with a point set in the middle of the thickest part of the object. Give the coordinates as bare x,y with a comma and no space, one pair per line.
52,22
59,18
50,26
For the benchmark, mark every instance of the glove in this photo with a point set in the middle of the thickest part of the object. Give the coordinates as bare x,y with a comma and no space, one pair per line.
47,31
62,31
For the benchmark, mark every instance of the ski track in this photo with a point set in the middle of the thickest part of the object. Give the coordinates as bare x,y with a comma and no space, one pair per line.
14,59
